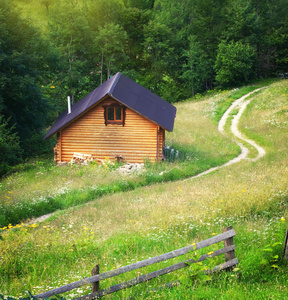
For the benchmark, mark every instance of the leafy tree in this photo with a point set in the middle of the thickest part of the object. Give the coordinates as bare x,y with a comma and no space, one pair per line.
24,61
234,64
111,40
133,21
140,4
102,12
157,50
175,15
197,69
47,4
10,149
70,32
242,22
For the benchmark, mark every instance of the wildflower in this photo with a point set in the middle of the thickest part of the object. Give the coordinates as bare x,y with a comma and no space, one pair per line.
209,253
213,233
282,219
10,192
52,87
7,197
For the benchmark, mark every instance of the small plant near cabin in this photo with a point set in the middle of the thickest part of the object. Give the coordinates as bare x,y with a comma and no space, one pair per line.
111,165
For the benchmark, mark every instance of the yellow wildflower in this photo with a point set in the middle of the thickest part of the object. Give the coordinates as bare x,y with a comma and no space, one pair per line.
282,219
52,87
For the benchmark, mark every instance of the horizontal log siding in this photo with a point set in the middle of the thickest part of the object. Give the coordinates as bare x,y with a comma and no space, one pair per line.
161,142
57,149
135,141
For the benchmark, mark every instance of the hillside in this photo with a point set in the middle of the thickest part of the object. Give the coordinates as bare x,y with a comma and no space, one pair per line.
125,227
176,49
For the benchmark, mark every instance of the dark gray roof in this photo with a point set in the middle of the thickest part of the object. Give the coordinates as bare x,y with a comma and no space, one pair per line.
129,93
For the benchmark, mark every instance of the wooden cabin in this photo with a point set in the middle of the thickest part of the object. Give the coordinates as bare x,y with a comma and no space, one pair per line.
118,120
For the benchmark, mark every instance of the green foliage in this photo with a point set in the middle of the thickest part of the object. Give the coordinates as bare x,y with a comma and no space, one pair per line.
198,271
273,252
197,67
111,39
234,64
9,147
25,59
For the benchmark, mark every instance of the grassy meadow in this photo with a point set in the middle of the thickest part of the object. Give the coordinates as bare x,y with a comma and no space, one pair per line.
157,213
40,187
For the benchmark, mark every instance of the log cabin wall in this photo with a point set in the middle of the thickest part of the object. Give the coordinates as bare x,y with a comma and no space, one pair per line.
161,142
137,140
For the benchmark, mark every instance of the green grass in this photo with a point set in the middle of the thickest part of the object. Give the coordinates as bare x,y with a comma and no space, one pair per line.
124,227
40,187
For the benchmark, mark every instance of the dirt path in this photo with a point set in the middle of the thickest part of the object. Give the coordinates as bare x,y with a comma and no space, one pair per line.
241,105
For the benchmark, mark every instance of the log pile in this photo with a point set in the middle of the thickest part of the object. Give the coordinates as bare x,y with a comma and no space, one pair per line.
81,159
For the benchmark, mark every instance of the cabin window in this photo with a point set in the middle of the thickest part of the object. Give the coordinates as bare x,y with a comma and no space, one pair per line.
114,114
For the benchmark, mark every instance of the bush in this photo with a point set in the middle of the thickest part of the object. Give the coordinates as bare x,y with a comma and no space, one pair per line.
10,149
234,64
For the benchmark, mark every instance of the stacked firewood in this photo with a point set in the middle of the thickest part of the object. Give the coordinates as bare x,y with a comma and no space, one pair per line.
81,159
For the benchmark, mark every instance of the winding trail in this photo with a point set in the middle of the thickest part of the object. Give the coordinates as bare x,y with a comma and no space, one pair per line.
240,104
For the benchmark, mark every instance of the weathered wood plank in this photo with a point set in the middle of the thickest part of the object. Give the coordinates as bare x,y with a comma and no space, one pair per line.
162,272
228,242
140,264
226,265
285,250
95,285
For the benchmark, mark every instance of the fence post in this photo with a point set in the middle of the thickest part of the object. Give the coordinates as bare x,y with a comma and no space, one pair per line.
95,285
229,242
285,250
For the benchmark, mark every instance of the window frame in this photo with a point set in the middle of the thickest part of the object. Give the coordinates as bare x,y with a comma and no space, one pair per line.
114,121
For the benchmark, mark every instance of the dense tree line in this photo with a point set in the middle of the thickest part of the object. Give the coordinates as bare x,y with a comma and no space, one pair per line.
50,49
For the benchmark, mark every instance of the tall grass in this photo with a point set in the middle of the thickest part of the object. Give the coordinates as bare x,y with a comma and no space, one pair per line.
125,227
40,187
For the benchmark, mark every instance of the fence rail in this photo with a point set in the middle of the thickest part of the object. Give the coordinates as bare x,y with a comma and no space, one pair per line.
228,250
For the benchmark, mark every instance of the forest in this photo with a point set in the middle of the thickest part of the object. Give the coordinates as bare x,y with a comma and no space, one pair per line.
177,49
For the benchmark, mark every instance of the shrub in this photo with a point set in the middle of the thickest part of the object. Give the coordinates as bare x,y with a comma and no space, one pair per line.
234,64
9,147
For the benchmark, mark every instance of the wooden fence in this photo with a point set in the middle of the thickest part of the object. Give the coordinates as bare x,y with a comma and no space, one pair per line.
228,250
